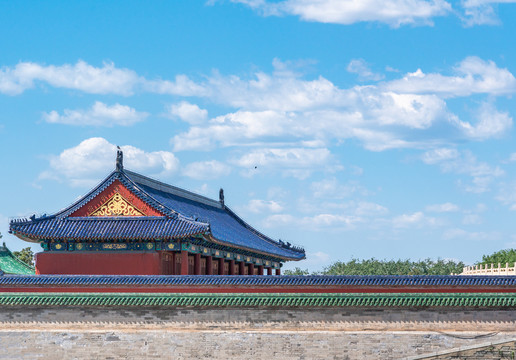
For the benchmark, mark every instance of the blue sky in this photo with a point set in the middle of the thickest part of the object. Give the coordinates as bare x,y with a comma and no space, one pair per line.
355,129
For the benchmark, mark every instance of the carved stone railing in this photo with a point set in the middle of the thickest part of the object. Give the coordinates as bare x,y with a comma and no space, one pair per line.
490,269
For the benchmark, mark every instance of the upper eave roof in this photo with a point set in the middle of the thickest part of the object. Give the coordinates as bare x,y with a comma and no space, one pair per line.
226,227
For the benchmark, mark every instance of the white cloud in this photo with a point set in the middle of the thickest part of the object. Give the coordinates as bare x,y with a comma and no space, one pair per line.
437,156
440,208
481,12
93,158
333,222
296,162
82,76
473,76
99,114
364,208
385,116
206,170
95,80
416,219
190,113
453,161
331,188
460,234
490,123
182,85
282,91
391,12
472,219
507,195
360,67
259,206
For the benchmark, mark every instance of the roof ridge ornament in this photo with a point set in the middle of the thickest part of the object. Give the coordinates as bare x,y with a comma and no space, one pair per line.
119,159
221,196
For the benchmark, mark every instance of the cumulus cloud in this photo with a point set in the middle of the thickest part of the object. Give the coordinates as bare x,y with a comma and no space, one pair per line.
99,114
472,76
87,162
388,115
391,12
507,195
284,105
364,208
490,123
296,162
361,68
482,12
332,222
182,85
417,219
453,161
187,112
460,234
442,208
107,79
206,170
83,77
260,206
331,188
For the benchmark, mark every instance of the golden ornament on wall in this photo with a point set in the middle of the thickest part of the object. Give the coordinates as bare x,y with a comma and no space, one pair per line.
117,206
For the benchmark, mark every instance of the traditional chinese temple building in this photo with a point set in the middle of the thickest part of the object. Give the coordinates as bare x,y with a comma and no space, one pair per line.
133,225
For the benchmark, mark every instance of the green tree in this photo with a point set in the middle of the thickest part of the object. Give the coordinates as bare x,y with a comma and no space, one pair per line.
296,271
502,257
394,267
26,255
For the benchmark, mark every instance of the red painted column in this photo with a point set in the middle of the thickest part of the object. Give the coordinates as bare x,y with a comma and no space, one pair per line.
221,266
241,266
251,269
209,265
184,262
173,265
231,267
260,270
269,271
197,264
278,271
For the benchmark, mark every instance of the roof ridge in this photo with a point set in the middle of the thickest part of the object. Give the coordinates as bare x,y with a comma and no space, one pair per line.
174,190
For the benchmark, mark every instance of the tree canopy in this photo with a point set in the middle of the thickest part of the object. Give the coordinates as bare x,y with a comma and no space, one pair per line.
388,267
26,255
502,257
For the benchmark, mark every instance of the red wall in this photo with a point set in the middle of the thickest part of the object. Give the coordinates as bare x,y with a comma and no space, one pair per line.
137,263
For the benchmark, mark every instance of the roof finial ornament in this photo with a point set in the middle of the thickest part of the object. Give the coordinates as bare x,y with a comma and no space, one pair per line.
221,196
119,159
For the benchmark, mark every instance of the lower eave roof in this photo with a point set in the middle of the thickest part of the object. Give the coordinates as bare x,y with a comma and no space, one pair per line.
107,228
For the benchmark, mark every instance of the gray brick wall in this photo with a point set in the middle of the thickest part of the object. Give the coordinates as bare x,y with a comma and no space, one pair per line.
153,333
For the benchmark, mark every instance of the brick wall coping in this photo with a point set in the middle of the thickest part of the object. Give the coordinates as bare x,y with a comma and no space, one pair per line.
218,300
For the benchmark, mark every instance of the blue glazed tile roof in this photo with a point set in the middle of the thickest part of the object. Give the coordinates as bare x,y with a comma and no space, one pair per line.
225,225
106,228
186,214
260,280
